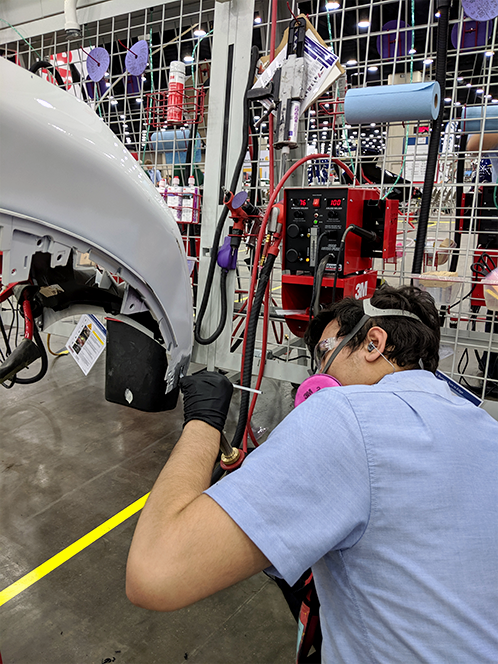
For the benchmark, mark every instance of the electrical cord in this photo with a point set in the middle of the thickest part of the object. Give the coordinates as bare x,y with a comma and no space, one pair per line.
221,222
44,361
317,286
425,205
58,353
338,260
316,270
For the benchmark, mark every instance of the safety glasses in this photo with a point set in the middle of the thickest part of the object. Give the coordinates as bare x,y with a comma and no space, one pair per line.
321,350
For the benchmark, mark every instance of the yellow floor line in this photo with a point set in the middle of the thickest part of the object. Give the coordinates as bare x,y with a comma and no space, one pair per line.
52,563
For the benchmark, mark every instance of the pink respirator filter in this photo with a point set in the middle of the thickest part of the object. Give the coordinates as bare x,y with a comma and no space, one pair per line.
312,385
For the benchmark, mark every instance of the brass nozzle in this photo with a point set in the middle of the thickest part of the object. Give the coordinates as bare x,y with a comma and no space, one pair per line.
228,460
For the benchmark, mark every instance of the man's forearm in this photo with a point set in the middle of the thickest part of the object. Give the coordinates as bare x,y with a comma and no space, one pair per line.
184,477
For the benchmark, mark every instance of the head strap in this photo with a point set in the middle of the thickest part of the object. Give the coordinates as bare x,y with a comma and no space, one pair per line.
374,312
370,312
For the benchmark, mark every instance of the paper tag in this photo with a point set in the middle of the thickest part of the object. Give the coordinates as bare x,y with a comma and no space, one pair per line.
87,342
458,389
50,291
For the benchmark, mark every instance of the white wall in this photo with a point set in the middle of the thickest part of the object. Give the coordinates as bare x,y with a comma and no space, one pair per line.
36,17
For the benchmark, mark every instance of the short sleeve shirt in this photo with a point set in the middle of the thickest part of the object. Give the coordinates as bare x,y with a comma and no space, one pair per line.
389,493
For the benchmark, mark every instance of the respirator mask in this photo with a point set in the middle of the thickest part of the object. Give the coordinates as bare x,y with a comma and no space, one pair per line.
321,378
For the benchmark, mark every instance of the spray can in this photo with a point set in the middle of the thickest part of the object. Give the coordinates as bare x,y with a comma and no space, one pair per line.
293,119
174,198
176,92
190,202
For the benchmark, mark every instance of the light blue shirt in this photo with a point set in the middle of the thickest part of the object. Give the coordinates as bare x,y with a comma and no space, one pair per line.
389,492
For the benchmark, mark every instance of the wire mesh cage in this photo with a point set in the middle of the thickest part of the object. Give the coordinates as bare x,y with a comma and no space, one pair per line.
381,43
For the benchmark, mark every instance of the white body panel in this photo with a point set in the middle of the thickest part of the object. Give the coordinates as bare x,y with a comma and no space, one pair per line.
67,181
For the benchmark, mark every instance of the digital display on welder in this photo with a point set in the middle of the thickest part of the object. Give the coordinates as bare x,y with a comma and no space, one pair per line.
299,202
334,202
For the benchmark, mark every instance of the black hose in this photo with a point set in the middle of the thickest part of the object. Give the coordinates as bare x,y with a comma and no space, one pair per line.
209,280
317,286
255,163
4,335
44,64
425,206
249,349
44,360
221,222
460,208
223,315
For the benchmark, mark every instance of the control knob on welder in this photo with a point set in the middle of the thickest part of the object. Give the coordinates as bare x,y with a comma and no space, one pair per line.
293,230
293,256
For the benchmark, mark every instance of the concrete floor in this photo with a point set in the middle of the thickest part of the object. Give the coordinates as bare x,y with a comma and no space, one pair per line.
69,461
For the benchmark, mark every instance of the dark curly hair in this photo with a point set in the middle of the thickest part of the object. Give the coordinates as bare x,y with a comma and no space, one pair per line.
408,340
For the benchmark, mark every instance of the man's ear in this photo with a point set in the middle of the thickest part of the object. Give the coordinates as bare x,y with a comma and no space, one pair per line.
375,343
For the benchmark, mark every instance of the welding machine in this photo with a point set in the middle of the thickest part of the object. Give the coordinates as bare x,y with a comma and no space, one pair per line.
316,223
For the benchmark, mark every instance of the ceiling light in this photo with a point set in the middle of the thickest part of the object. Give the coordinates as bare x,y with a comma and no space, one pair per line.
428,61
469,85
479,91
128,140
447,99
457,103
494,101
329,6
187,59
459,79
437,14
123,117
364,23
489,54
373,68
257,19
199,32
114,102
372,124
350,63
139,101
412,51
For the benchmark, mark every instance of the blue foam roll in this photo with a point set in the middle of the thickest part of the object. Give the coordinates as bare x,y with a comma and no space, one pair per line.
393,103
176,140
472,119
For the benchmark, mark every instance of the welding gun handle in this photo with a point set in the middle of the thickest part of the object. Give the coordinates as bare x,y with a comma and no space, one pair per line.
225,446
229,455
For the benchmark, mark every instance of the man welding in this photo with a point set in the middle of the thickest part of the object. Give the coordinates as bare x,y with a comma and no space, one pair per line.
385,486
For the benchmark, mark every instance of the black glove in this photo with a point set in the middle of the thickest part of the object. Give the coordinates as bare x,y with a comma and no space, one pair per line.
206,397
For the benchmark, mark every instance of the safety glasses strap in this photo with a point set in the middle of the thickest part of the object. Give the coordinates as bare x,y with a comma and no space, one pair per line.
347,338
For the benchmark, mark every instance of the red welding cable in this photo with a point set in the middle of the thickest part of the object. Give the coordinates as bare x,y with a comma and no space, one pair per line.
28,319
273,39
